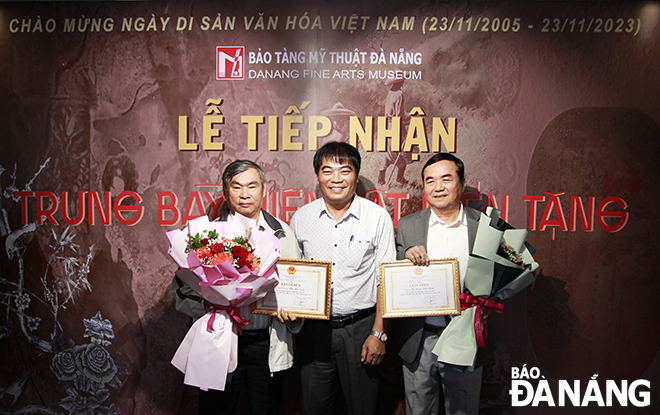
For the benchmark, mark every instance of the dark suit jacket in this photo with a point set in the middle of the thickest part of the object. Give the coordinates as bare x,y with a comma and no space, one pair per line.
413,230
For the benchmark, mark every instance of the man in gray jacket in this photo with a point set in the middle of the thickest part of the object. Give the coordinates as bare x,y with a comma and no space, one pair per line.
446,229
265,349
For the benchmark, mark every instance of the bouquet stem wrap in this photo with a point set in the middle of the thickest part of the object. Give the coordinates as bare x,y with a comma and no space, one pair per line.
209,351
206,357
500,266
233,313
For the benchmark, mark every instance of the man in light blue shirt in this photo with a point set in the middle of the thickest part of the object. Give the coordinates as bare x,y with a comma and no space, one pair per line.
355,235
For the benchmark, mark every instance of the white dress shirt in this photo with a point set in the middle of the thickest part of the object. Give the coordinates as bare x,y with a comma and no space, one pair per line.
448,241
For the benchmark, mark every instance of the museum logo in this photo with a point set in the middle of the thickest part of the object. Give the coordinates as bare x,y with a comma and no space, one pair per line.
230,62
529,387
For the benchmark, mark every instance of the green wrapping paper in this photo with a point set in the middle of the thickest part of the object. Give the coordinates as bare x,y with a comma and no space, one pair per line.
490,274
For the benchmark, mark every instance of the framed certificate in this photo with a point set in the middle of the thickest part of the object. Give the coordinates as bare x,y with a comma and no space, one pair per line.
414,291
304,289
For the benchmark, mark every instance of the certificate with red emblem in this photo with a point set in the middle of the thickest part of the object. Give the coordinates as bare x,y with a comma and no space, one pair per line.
414,291
304,290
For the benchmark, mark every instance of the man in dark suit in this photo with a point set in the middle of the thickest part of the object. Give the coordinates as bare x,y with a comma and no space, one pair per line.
445,229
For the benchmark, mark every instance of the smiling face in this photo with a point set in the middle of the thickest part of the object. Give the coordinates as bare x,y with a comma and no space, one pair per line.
337,183
245,193
443,189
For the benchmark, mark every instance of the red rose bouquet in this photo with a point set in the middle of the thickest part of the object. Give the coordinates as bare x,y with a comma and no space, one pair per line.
212,249
229,264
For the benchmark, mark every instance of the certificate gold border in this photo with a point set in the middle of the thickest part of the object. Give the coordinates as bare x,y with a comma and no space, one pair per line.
323,310
386,267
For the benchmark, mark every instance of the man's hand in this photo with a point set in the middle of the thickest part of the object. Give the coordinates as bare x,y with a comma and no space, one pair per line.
485,312
285,317
417,255
373,351
208,306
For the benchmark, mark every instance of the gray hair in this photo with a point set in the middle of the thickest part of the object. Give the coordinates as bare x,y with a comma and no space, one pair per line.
238,167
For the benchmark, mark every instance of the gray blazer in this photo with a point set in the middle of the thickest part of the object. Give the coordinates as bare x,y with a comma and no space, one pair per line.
413,230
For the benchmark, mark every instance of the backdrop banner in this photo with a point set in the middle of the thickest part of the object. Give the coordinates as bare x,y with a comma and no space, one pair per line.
118,118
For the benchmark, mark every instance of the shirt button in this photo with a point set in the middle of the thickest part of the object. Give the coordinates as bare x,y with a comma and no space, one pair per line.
333,264
335,245
336,226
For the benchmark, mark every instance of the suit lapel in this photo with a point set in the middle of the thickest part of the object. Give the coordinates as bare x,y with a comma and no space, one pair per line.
423,224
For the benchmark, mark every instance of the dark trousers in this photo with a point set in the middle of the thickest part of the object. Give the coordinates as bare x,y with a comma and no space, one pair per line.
435,388
330,358
264,392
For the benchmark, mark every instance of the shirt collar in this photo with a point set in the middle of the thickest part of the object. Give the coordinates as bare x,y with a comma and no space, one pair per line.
354,209
460,221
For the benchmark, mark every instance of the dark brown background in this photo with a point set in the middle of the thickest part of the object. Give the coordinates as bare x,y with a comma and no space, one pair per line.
536,112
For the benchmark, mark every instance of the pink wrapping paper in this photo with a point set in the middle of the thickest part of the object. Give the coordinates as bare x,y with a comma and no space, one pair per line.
207,355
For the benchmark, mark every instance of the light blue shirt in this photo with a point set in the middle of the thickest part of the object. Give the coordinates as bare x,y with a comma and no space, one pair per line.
355,245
